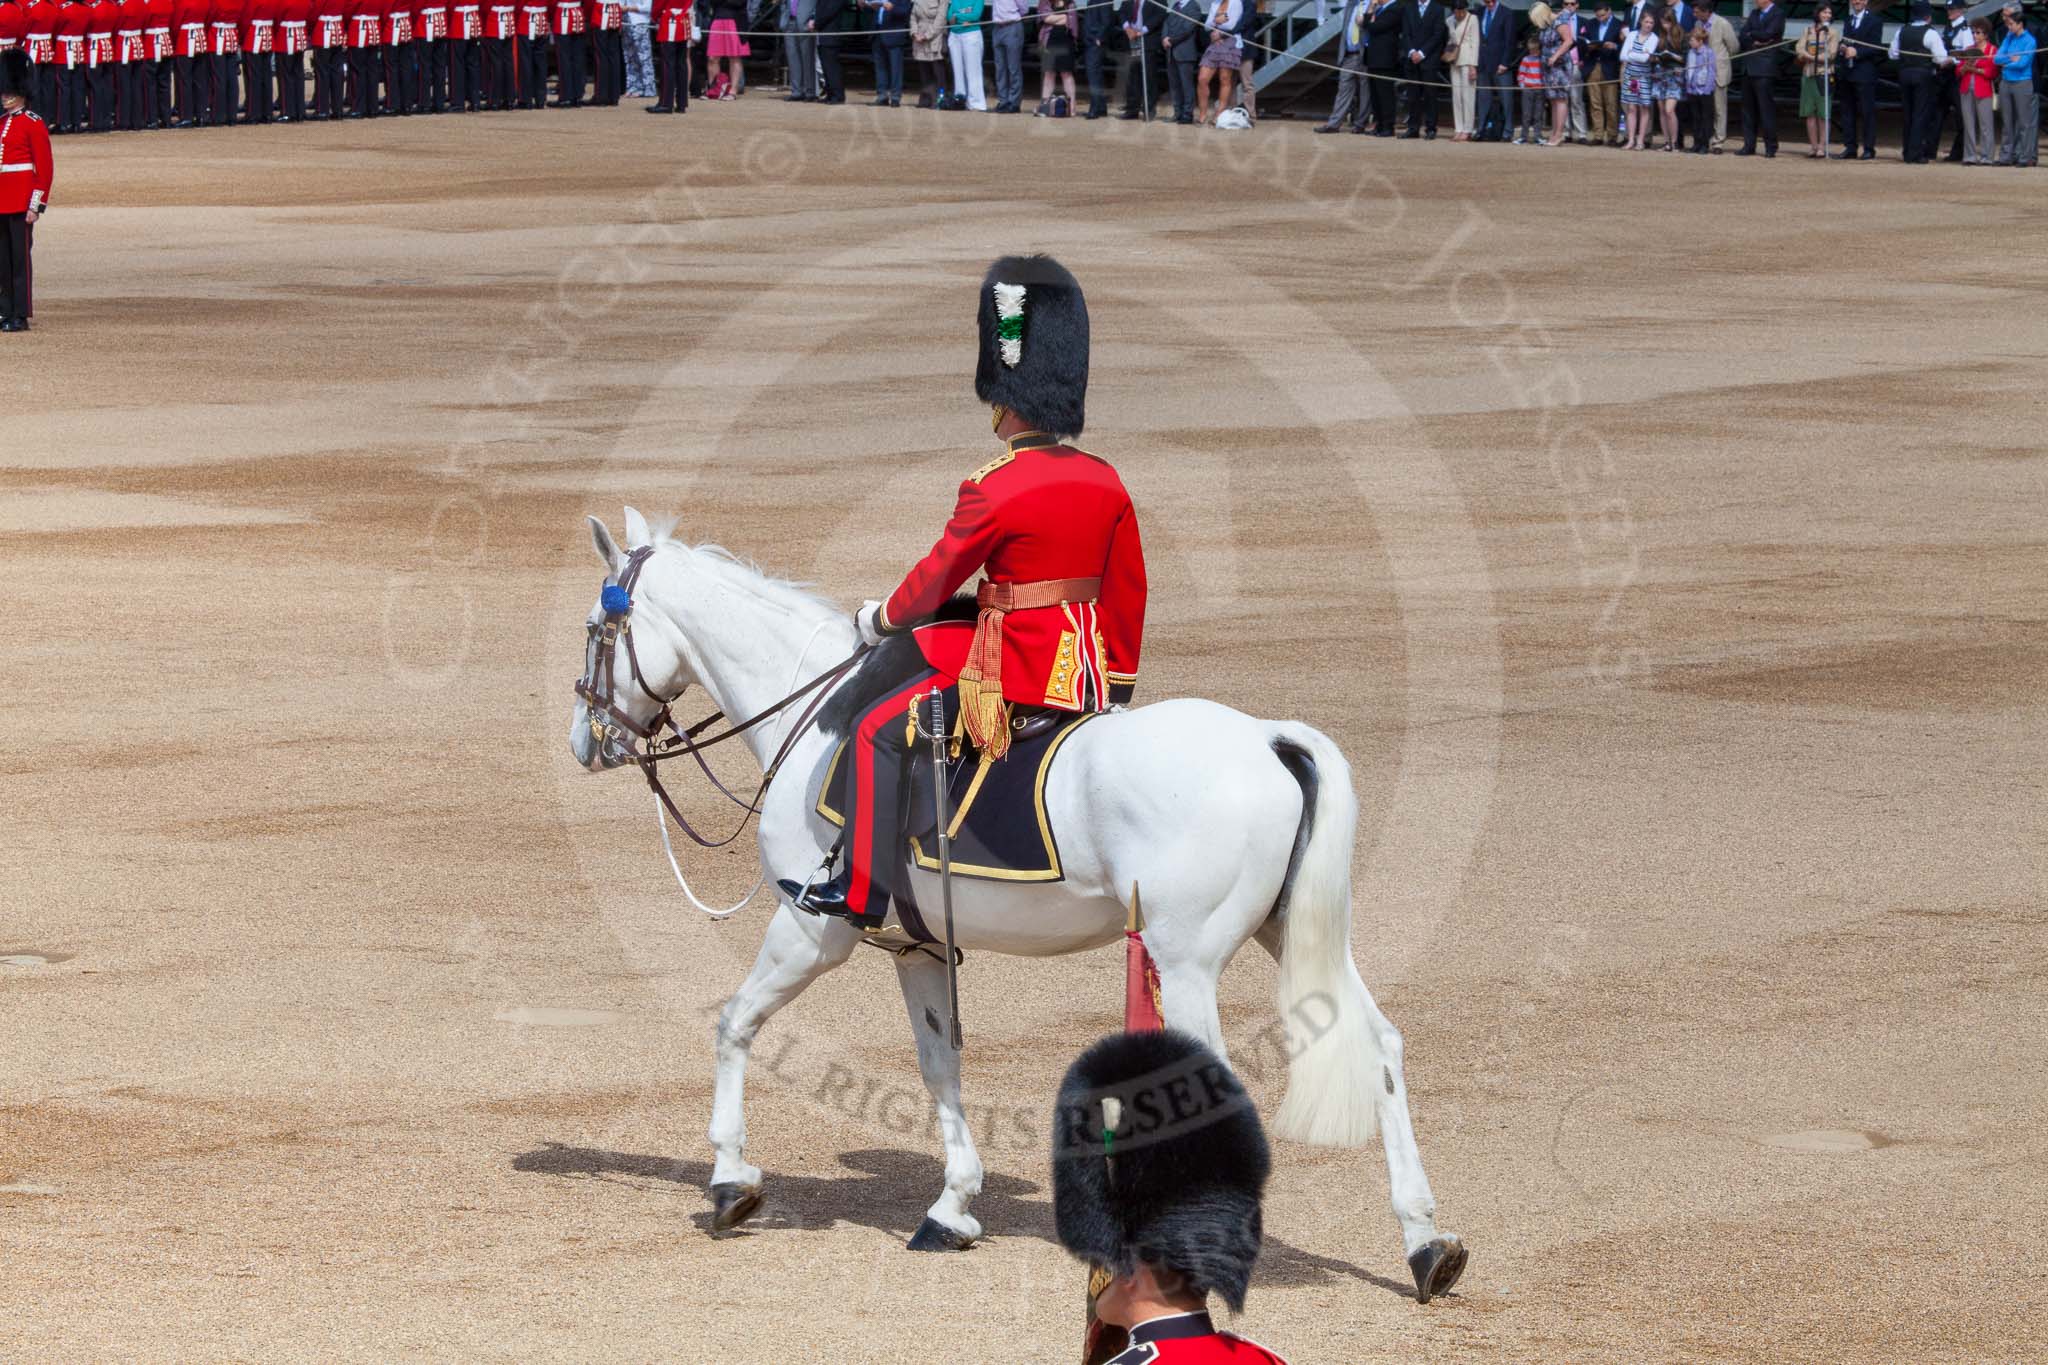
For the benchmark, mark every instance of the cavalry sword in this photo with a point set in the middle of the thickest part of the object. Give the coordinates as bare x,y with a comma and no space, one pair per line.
937,732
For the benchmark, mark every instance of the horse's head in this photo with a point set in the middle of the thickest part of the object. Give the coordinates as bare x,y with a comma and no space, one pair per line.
633,667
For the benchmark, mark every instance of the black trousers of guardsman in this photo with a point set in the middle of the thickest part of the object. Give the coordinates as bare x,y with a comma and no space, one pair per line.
569,49
672,75
17,240
533,73
876,788
365,68
258,82
500,83
291,86
401,77
101,80
227,101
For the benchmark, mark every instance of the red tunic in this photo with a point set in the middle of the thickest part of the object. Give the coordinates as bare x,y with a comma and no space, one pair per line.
568,17
134,19
533,20
189,18
73,25
293,20
365,23
671,21
39,31
501,21
259,26
225,38
1190,1339
327,24
13,24
101,31
1041,511
26,170
398,21
156,28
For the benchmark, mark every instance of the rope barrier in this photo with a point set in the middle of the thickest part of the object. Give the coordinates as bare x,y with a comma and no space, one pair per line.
1246,42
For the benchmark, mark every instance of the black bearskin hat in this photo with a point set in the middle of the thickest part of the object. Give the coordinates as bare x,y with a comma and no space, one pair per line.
14,72
1034,343
1158,1156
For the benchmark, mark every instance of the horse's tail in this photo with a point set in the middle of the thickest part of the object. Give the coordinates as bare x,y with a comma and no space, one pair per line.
1324,1005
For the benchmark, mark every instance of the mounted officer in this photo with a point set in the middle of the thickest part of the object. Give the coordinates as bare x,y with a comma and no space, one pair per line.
1061,605
1159,1167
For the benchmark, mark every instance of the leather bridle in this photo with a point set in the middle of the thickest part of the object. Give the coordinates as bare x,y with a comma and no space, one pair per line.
646,745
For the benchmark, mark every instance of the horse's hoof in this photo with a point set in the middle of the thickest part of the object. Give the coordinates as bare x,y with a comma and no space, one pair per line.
1437,1266
932,1235
732,1205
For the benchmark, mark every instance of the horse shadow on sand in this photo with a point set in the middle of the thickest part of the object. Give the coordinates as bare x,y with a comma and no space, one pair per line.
888,1191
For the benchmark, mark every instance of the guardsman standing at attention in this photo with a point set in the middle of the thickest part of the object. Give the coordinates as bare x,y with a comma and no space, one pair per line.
401,59
671,38
161,50
293,37
1159,1167
26,172
102,40
1062,598
498,52
532,54
224,25
131,64
259,58
195,65
327,38
569,53
365,55
39,41
73,22
465,69
433,47
608,50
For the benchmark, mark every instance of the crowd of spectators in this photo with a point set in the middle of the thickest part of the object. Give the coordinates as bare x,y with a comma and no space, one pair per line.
1646,75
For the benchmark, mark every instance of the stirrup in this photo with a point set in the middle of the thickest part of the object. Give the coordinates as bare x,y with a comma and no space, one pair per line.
829,898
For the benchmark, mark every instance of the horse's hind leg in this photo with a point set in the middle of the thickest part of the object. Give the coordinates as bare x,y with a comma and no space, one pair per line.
793,954
947,1226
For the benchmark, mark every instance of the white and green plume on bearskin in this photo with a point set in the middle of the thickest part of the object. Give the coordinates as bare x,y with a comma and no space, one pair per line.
1034,343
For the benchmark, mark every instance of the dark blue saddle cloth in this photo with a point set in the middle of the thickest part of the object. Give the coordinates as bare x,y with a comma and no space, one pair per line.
999,826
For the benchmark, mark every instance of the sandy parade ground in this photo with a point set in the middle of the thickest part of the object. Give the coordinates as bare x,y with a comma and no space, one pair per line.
1662,538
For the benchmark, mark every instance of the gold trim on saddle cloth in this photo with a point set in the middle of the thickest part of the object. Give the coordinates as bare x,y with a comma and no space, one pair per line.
930,861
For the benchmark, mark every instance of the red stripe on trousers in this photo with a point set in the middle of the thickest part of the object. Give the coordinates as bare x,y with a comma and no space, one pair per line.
860,851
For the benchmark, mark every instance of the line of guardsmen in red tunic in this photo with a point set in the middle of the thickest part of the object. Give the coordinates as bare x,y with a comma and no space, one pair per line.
102,65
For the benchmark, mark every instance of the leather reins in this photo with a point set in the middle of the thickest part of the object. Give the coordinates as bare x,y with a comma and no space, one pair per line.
647,745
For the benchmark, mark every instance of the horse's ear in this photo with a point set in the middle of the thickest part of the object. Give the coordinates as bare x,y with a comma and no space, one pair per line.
607,548
637,533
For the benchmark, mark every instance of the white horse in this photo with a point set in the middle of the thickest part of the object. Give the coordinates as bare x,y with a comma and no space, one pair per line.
1232,827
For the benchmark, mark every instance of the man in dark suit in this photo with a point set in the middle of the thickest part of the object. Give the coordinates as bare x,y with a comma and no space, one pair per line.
825,17
1763,30
1383,62
1856,83
1183,42
1144,63
1498,54
1098,21
891,42
1425,29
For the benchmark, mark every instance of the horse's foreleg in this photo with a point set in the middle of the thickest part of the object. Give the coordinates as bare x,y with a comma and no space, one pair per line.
793,954
947,1226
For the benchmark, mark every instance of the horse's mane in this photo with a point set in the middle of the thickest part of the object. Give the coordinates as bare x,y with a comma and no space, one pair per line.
797,596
